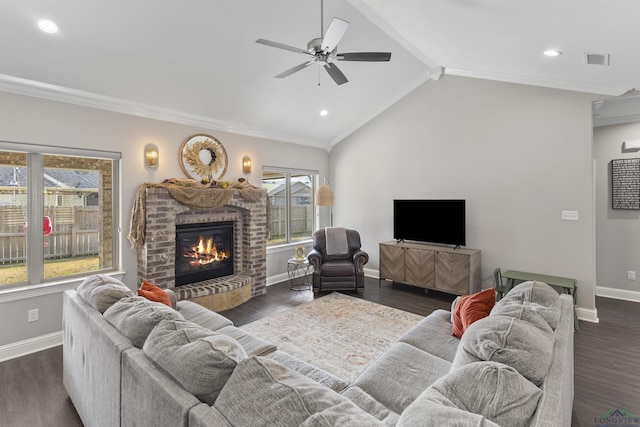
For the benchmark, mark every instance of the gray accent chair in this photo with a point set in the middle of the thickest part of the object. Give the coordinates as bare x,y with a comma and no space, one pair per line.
337,272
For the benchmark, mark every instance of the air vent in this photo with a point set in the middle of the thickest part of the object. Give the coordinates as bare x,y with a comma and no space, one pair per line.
596,58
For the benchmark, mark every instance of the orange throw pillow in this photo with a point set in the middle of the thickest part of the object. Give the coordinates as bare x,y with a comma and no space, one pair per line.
470,308
153,293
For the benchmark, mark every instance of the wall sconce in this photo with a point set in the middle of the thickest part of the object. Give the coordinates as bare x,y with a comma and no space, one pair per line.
246,164
151,156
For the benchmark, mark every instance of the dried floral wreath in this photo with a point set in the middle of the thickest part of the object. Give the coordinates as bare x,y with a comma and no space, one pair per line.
203,156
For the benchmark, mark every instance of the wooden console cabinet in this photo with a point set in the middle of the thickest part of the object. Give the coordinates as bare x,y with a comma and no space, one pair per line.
455,271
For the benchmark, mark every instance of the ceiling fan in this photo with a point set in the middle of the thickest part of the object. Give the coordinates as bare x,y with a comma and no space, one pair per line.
324,51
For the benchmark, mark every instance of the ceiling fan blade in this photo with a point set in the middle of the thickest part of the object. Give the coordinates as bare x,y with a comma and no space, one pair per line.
334,34
295,69
282,46
365,56
335,73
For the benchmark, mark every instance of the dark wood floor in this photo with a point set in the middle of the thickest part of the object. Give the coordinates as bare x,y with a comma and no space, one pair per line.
607,364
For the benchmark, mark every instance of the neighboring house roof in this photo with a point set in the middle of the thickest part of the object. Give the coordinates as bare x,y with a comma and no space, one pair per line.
11,176
297,188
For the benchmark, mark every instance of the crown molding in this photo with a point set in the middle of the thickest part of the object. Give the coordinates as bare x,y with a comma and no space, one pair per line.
67,95
538,81
600,121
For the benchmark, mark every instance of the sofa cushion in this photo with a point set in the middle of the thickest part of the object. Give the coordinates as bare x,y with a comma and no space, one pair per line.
370,405
487,389
101,291
338,268
534,314
531,301
154,293
321,376
433,335
252,345
434,414
199,359
204,317
400,374
470,308
262,392
135,317
510,341
344,414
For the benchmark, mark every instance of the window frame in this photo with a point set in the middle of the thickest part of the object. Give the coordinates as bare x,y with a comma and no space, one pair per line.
35,155
288,172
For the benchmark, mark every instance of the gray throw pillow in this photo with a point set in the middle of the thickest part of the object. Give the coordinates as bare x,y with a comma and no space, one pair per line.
487,389
262,392
535,314
198,358
531,301
101,291
135,317
510,341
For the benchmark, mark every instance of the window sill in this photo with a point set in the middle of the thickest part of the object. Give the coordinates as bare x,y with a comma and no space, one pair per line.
288,246
33,291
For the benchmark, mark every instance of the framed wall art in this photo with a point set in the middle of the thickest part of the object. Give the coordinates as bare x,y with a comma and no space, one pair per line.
625,184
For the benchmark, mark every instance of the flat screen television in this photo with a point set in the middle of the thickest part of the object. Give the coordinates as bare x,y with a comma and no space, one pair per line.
430,221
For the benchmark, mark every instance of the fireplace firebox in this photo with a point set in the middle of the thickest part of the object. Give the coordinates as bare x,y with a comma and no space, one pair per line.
203,251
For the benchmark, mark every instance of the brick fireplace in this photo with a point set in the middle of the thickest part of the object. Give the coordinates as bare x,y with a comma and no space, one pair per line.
157,258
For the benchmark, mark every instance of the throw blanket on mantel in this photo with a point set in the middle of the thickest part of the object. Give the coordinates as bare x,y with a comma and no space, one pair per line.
336,240
204,198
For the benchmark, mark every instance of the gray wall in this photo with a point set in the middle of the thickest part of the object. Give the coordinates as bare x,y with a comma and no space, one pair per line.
38,121
617,231
519,155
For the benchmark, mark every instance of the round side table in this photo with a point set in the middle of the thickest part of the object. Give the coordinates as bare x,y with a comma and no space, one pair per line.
298,270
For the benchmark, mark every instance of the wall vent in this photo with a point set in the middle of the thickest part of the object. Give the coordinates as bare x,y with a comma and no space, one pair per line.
596,58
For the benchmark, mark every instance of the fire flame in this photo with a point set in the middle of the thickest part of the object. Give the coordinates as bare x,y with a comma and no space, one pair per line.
205,252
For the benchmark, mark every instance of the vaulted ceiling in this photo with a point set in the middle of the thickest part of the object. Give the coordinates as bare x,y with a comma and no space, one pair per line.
197,62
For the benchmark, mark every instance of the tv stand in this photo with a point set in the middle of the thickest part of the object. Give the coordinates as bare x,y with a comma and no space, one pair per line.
445,269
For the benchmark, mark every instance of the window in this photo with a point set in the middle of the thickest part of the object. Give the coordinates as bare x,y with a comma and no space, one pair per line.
291,204
57,213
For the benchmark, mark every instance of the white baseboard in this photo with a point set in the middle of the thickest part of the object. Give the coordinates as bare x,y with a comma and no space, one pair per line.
370,272
587,314
272,280
623,294
32,345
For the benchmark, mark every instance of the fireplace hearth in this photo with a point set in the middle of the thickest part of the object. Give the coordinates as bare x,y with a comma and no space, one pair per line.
203,251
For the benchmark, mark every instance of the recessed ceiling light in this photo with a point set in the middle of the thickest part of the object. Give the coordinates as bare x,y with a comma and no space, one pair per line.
323,113
552,52
48,26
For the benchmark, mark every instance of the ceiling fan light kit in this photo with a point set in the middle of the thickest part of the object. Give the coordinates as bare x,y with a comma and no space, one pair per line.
324,51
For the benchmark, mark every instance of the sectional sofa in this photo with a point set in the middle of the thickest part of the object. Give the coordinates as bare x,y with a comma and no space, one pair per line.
129,361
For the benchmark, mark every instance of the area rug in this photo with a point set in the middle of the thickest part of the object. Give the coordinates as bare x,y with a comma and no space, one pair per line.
338,333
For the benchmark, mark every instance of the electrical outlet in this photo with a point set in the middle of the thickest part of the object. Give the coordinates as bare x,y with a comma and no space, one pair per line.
631,275
32,315
570,215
